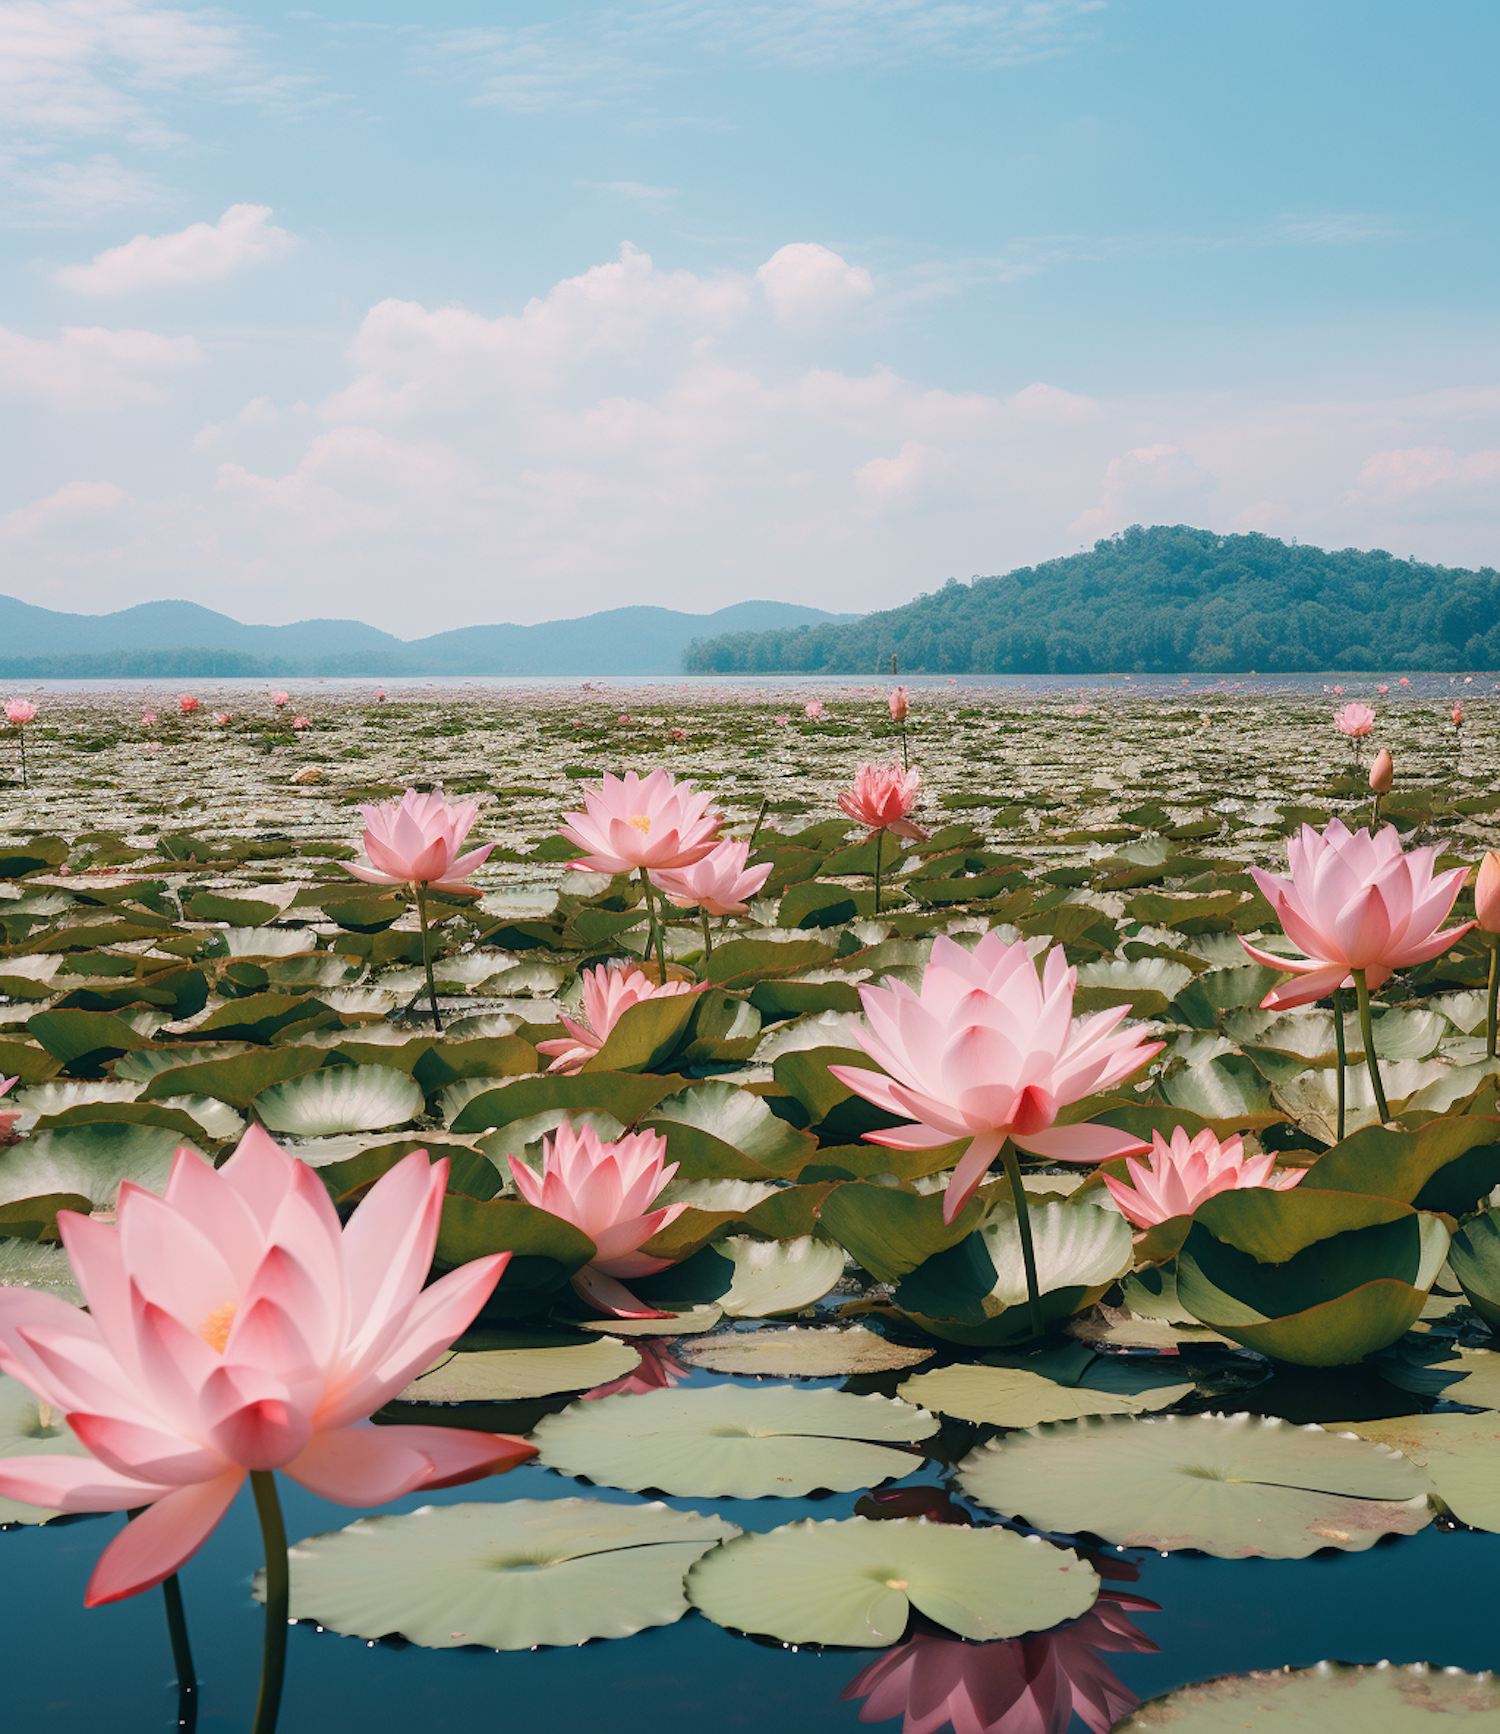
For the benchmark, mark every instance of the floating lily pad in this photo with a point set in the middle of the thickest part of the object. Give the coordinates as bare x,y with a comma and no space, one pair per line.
777,1276
29,1427
1328,1699
732,1442
1236,1486
509,1574
25,1264
341,1099
1460,1452
800,1352
856,1580
1056,1385
93,1160
504,1375
688,1322
1475,1260
1467,1376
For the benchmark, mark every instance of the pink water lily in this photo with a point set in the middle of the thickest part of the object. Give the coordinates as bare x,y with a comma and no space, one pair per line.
1355,902
1354,720
720,884
280,698
20,711
989,1050
635,822
607,1190
1177,1176
813,710
884,797
187,704
899,703
608,992
234,1326
418,841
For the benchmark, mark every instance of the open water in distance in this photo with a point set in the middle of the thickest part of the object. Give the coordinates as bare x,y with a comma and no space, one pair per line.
1423,1598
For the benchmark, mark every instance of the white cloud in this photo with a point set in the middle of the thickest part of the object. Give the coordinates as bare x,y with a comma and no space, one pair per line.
75,506
1151,485
88,368
58,194
1427,471
807,284
200,253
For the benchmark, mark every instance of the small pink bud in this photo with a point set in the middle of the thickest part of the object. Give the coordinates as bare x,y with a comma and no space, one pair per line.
1382,772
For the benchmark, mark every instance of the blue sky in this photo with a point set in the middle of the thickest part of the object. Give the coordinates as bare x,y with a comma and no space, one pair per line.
454,313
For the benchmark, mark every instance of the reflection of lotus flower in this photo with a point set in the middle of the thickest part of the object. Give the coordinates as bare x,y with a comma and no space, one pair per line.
1019,1686
235,1326
1354,902
884,797
607,1191
659,1371
719,884
608,992
635,822
1354,719
416,841
1178,1176
988,1050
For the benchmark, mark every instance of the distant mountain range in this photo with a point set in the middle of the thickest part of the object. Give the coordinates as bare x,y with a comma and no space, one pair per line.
181,639
1167,599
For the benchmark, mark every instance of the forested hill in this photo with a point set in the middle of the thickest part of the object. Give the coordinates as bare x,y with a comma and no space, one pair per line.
1157,600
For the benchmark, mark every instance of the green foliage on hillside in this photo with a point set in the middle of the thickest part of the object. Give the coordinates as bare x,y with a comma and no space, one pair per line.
1157,600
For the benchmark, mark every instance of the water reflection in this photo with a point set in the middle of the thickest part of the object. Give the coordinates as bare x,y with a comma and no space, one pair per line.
659,1371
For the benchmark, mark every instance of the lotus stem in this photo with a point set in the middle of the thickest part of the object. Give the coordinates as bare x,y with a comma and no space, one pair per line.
1493,1002
278,1601
1338,1042
182,1656
708,937
905,762
655,928
432,999
1367,1036
1374,812
22,733
879,843
1023,1228
760,819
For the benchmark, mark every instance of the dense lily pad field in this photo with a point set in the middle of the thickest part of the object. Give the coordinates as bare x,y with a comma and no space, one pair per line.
839,1470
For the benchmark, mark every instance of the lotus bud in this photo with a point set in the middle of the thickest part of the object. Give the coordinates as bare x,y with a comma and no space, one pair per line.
1487,893
1382,772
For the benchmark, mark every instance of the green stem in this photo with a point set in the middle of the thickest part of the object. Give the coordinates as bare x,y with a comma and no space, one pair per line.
1374,812
432,1000
760,819
1494,1000
656,938
1367,1036
23,758
879,845
1023,1227
278,1601
182,1656
905,762
708,938
1338,1042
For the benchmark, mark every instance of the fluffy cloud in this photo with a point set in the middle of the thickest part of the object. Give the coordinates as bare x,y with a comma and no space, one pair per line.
200,253
1150,484
60,193
89,368
807,284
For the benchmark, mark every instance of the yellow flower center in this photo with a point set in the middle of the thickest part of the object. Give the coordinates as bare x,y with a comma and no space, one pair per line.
895,1583
216,1327
641,823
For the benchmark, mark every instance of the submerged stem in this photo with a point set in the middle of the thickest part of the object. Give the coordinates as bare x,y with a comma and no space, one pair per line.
182,1656
1338,1042
1023,1227
1367,1036
1493,1003
278,1601
421,891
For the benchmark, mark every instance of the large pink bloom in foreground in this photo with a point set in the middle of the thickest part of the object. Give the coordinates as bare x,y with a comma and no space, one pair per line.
233,1325
606,1190
417,841
631,821
883,797
1177,1177
608,992
1355,902
988,1050
1018,1686
720,884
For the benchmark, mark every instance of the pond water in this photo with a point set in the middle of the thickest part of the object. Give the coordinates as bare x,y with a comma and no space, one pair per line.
1427,1597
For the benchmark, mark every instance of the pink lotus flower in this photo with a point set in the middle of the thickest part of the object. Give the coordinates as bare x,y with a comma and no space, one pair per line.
883,797
719,884
1030,1685
813,710
635,822
19,711
1354,720
279,698
1354,902
679,734
607,1191
1403,681
148,719
300,722
1178,1176
1382,772
1382,690
380,695
8,1120
187,704
899,703
1458,716
608,992
782,721
416,841
234,1326
1338,689
623,719
220,718
989,1050
1486,901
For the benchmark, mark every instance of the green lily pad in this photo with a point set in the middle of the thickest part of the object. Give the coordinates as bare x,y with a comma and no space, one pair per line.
1449,1164
802,1352
510,1575
712,1127
626,1095
729,1441
1475,1260
340,1099
237,1077
29,1428
856,1580
504,1375
1238,1486
1461,1453
647,1034
891,1231
1328,1699
92,1160
688,1322
1467,1376
777,1276
1056,1385
25,1264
